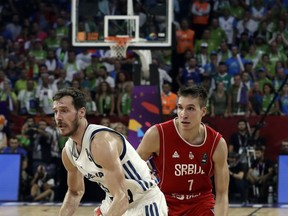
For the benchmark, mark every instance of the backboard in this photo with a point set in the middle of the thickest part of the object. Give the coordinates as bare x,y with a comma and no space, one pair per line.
149,24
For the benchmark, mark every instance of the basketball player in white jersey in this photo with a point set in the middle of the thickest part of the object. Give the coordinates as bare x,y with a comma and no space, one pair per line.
103,156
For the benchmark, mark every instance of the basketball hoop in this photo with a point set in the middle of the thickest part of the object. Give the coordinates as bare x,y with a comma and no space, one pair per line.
119,45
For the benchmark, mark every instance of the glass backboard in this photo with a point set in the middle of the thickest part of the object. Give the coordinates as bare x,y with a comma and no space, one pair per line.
149,24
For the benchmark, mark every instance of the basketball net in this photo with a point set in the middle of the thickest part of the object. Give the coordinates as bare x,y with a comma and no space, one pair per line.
119,45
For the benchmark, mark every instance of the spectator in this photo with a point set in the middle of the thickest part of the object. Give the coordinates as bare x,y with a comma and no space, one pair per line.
61,81
12,72
235,63
14,27
216,33
219,101
120,82
104,76
244,43
73,65
42,186
258,12
42,146
276,55
9,97
203,55
28,132
263,32
238,97
253,56
246,24
105,100
38,52
219,6
52,63
267,66
62,51
206,39
105,121
120,127
246,80
256,140
268,95
27,99
163,74
260,176
239,141
283,101
284,147
40,34
168,100
91,108
124,100
75,84
184,38
238,182
228,23
224,52
255,99
32,67
237,8
61,28
262,78
280,77
21,83
200,16
52,42
281,42
3,135
210,68
44,94
3,79
192,71
222,76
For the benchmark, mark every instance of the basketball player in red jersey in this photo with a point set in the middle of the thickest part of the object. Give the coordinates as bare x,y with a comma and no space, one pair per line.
186,153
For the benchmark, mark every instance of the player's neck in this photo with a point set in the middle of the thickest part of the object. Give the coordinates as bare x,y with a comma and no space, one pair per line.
78,135
193,136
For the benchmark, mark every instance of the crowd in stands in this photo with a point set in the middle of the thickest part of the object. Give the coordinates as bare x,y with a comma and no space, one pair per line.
236,49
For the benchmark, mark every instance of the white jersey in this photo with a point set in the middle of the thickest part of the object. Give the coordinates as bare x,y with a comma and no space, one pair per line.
227,25
138,179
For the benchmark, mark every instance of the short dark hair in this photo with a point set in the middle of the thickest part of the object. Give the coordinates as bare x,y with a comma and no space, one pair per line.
259,148
78,96
196,91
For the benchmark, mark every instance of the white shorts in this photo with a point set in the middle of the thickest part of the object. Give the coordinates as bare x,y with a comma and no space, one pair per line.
151,204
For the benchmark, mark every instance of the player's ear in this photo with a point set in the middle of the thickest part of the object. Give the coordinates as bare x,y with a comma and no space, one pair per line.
204,111
82,112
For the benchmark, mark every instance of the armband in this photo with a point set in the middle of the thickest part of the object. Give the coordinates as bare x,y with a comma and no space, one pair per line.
98,212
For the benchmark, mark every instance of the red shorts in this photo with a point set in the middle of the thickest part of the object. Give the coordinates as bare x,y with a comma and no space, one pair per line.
199,208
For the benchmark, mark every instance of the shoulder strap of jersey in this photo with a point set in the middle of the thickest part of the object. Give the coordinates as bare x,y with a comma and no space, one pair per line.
68,148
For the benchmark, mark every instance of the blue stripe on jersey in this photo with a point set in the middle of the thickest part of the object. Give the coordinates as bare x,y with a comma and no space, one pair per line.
151,210
156,209
132,174
110,130
146,210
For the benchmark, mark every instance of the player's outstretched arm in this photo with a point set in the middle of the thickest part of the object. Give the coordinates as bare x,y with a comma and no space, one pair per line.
106,148
149,144
221,176
75,190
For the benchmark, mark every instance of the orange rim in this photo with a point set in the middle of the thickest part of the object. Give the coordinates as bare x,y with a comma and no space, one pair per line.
118,40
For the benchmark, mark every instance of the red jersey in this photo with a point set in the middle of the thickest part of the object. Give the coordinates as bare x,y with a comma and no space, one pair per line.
184,169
